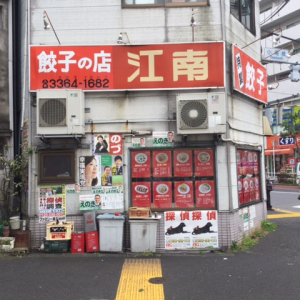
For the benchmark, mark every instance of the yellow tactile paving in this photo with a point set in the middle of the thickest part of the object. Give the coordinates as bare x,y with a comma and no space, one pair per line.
134,282
284,214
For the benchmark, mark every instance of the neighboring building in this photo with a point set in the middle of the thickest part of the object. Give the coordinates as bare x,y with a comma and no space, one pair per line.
163,102
8,105
282,17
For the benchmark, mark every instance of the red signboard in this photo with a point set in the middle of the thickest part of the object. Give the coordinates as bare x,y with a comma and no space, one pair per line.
246,187
141,194
183,166
205,194
162,164
162,194
250,77
165,66
241,191
184,194
116,144
204,162
140,164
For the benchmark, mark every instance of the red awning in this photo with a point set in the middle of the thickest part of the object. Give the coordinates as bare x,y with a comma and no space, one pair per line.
279,151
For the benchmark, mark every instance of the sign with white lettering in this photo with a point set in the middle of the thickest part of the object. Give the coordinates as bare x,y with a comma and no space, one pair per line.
127,67
249,76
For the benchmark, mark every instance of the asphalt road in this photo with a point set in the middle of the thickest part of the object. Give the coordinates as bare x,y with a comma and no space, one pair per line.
269,270
286,198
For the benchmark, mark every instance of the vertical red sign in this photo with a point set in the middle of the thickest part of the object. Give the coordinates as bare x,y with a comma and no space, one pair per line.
252,189
204,162
205,194
241,191
255,163
184,194
245,162
140,164
162,166
183,163
239,162
141,194
257,188
116,144
246,187
162,194
250,162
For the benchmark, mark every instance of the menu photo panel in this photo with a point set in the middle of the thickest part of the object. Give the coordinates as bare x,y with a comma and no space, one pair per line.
140,164
162,194
141,194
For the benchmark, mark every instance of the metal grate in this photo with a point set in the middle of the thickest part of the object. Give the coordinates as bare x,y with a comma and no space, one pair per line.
52,112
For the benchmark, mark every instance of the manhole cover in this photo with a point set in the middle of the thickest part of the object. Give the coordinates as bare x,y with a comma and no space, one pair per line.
157,280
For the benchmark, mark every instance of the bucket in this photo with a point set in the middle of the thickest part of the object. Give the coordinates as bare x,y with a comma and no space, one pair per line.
15,223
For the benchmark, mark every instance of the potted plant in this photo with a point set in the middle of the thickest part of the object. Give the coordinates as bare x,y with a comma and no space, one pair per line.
13,182
6,229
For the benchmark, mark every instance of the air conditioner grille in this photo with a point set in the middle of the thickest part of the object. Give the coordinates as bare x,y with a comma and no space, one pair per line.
52,112
193,114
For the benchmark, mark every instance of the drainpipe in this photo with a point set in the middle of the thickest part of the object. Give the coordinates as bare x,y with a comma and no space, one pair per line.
222,6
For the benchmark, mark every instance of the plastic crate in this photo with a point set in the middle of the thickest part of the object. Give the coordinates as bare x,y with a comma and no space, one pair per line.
59,231
58,246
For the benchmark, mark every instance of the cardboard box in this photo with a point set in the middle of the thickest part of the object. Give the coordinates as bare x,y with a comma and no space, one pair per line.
139,213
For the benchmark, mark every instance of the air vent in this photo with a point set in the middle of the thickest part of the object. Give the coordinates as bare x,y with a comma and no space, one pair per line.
52,112
193,114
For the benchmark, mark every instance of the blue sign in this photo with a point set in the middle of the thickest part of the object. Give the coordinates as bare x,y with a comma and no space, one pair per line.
287,141
274,116
286,113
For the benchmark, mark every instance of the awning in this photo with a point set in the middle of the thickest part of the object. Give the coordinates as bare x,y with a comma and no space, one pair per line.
279,151
267,127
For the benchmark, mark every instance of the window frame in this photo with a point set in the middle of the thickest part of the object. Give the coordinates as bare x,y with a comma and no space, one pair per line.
43,180
252,15
175,4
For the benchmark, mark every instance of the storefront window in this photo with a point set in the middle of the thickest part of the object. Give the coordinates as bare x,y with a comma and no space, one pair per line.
243,10
248,167
56,167
168,178
157,3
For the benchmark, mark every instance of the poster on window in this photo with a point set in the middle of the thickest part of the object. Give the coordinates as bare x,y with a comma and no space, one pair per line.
204,163
241,191
245,162
239,163
191,229
162,194
246,187
255,163
141,194
162,164
250,162
52,203
257,188
140,164
184,194
205,194
183,166
102,198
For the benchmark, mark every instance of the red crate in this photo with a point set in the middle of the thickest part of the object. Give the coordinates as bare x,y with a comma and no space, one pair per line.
92,241
77,242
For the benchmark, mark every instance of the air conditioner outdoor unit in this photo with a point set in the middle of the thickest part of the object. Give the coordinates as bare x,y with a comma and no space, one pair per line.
201,113
60,112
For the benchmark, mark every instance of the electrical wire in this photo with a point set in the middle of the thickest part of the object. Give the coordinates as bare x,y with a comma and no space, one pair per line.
277,10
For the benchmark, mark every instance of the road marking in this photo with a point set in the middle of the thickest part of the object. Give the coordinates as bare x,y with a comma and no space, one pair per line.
284,214
134,282
285,192
298,206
